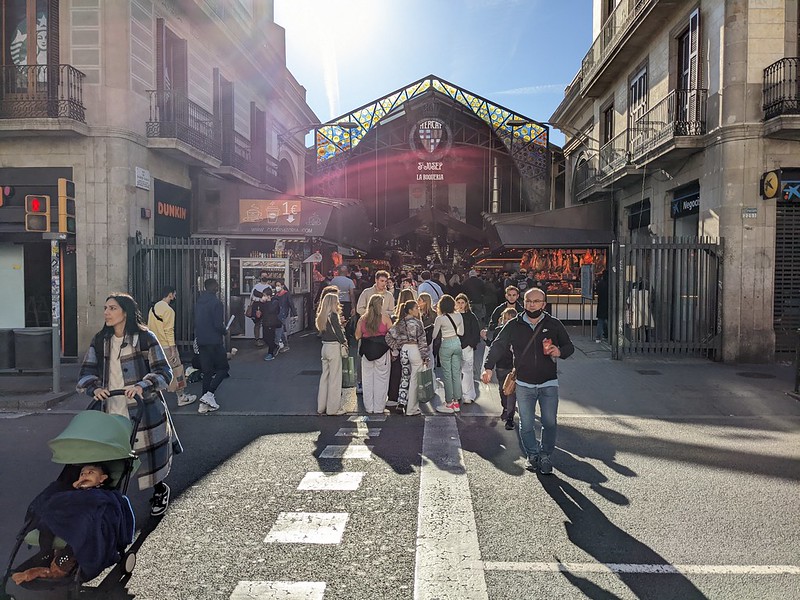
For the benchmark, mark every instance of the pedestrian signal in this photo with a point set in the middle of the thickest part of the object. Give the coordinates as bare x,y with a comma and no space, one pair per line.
66,206
37,213
6,193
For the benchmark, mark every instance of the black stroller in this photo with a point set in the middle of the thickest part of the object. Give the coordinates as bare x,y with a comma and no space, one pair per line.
91,437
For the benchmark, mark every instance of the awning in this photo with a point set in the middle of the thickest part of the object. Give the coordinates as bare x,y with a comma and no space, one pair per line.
581,226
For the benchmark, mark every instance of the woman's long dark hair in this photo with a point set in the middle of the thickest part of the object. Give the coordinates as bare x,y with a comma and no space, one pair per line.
405,308
133,318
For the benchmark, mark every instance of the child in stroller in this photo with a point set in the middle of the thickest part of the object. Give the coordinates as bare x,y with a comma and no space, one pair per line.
60,510
82,522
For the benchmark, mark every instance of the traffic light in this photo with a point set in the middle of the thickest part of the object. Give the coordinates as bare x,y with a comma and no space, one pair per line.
37,213
6,193
66,206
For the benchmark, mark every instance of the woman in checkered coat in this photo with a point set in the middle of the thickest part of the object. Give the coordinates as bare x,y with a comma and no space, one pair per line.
126,355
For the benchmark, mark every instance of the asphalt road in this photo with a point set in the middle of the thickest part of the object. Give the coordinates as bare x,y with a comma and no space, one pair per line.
695,498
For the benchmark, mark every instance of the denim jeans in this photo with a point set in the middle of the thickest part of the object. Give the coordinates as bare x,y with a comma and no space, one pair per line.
450,357
602,328
526,406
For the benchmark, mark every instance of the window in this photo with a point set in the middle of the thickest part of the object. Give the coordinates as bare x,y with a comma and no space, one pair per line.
607,132
637,96
688,55
687,96
25,32
638,216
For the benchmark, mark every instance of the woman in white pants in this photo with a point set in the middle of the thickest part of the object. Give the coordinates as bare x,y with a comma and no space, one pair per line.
469,342
329,324
371,331
407,337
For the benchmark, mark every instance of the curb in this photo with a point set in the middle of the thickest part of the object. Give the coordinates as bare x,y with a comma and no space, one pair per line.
33,401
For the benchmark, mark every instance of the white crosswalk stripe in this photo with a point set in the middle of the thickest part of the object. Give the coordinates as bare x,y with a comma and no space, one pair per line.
319,481
308,528
354,451
279,590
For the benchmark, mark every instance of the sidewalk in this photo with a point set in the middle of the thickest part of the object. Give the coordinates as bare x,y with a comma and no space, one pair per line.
591,384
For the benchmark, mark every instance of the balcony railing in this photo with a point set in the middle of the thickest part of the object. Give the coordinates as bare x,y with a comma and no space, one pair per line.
42,91
271,174
585,177
614,155
782,88
616,24
242,157
681,113
173,115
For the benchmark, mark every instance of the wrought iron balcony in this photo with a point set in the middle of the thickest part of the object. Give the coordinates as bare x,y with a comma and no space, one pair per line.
585,177
42,91
173,115
613,29
271,176
614,155
782,88
241,157
681,113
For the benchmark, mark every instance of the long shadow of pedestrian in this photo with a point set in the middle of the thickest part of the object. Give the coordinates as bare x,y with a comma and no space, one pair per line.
589,529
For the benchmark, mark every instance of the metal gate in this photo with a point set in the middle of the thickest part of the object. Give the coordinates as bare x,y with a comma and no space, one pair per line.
667,297
182,262
786,313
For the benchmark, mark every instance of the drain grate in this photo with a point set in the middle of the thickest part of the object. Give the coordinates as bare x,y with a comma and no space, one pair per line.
648,372
311,372
754,375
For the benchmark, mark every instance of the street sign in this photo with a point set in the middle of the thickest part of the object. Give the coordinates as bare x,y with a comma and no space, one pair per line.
54,236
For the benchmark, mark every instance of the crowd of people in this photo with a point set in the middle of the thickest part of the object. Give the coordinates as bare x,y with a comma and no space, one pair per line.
405,323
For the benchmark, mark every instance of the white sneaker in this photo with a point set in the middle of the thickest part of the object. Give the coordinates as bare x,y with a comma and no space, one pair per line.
444,408
205,408
186,399
209,400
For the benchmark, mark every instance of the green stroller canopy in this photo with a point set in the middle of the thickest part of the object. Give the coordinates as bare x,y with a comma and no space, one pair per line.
93,436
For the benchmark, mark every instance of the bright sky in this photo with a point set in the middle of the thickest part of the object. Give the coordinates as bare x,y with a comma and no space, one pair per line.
518,53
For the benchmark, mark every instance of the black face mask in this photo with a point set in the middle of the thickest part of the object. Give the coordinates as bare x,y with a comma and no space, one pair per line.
534,314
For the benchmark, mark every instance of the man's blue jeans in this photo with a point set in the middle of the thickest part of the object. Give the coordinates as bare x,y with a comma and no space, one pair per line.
547,397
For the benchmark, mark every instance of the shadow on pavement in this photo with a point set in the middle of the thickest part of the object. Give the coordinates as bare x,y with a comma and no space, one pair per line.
590,530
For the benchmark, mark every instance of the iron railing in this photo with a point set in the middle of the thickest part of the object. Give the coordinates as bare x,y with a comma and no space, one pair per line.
667,297
585,176
181,262
271,176
615,26
614,155
173,115
42,91
681,113
242,157
781,88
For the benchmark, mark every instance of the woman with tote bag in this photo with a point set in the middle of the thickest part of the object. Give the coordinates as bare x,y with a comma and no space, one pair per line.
407,338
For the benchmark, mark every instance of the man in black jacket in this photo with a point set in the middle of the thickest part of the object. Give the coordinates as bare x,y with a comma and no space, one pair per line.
512,301
209,331
537,340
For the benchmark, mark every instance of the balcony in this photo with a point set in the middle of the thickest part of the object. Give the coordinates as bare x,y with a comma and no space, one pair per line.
30,93
241,157
183,129
631,25
675,125
586,184
781,101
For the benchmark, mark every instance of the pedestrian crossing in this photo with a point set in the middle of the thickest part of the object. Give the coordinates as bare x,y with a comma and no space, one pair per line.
316,528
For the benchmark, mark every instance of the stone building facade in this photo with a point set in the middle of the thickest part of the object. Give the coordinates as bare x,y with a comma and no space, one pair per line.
131,100
679,112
